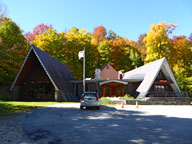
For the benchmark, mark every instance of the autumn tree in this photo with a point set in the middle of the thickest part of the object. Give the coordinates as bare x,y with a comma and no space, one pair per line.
157,41
53,43
77,40
190,40
141,45
38,30
135,55
104,50
181,61
13,48
119,51
99,33
181,53
124,54
111,35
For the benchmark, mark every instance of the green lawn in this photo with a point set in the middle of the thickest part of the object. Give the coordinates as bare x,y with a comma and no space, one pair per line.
8,108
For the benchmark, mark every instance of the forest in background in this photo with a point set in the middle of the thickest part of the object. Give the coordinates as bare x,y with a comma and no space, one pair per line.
101,47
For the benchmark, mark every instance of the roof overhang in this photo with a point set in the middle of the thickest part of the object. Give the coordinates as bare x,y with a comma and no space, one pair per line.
139,77
113,81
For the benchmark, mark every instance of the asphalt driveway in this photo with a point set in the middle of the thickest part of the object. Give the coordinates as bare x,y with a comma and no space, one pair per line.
67,124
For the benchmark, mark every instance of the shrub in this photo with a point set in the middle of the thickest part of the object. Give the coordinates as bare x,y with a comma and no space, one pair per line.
105,101
128,96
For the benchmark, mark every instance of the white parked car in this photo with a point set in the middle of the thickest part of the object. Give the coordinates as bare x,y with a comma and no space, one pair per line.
89,99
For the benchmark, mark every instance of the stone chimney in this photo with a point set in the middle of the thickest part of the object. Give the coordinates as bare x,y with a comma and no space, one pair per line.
97,74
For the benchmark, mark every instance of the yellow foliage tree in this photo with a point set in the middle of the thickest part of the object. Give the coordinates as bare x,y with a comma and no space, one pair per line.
157,41
181,62
13,48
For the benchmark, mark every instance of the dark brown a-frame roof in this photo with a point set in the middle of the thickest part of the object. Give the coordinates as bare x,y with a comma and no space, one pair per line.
58,73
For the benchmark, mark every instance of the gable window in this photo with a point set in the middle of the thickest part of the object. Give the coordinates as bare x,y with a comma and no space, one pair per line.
159,88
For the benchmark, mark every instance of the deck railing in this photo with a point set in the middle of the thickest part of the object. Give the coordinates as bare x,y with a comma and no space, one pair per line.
167,94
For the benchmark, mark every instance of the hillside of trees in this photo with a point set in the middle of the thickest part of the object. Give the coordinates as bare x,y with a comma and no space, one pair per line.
101,46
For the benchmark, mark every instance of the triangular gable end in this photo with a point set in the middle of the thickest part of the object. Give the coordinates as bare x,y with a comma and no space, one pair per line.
149,78
45,70
13,84
164,64
170,73
20,70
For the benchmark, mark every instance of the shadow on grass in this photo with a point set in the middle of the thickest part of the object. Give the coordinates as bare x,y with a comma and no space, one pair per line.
7,109
107,125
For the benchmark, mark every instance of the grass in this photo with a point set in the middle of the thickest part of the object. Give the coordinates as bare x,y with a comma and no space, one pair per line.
8,108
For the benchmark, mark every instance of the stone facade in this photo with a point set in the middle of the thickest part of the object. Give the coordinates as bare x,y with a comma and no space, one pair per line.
158,101
162,101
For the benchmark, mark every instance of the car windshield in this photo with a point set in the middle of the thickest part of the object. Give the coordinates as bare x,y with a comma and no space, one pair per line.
90,94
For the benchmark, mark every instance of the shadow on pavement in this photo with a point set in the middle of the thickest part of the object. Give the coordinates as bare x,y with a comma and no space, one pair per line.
107,125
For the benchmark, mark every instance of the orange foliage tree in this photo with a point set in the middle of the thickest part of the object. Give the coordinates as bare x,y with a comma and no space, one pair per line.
38,30
99,33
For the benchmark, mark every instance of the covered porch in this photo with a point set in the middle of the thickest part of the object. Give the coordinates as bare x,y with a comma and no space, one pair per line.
113,88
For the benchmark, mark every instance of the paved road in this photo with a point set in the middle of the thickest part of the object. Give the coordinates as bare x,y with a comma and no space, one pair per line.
67,124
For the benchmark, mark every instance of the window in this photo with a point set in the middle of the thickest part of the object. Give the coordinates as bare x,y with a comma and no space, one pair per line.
159,88
90,94
39,90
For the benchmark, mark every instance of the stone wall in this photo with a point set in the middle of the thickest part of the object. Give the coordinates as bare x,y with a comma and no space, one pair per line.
162,101
157,101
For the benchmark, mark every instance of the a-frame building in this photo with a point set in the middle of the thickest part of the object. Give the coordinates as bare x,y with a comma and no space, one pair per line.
41,77
152,79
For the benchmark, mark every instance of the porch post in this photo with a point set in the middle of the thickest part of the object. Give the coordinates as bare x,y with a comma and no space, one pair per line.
122,90
110,90
104,87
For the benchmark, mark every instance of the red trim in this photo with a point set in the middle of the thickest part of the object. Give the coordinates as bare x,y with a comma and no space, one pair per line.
162,83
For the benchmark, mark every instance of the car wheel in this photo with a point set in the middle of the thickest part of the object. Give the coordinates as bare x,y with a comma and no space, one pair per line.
81,107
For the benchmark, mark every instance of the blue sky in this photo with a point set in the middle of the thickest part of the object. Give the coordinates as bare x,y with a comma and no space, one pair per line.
128,18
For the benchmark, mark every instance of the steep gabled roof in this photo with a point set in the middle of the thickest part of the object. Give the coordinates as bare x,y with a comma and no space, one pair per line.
57,72
107,65
148,73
